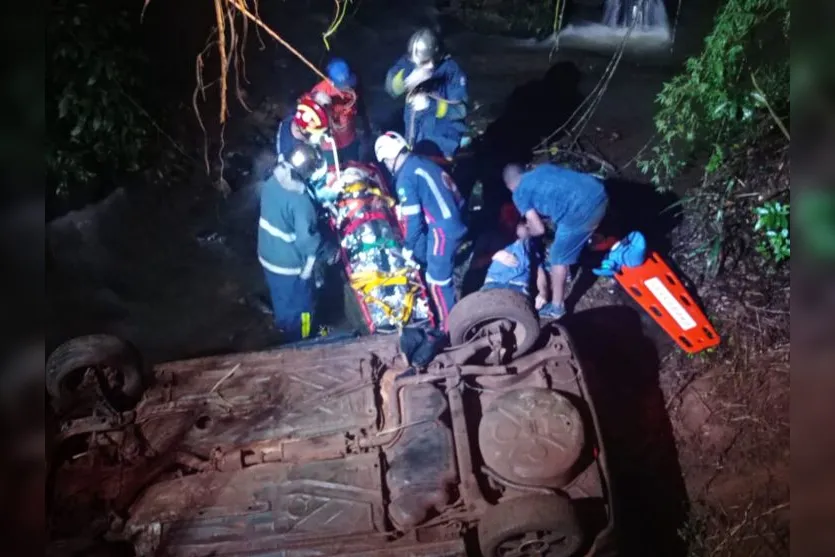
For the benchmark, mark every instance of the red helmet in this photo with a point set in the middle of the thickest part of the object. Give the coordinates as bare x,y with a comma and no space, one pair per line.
310,116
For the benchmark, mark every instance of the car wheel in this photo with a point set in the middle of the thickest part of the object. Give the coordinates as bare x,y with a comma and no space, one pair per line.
480,310
75,367
541,525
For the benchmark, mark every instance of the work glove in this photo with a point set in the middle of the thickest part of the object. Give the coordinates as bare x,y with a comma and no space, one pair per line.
418,76
419,101
307,270
321,98
409,258
315,138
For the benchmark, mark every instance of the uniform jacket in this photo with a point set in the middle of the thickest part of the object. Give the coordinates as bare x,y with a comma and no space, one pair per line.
288,235
447,110
428,198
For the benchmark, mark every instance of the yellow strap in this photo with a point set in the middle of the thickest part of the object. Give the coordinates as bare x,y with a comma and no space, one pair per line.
376,192
408,305
364,283
369,280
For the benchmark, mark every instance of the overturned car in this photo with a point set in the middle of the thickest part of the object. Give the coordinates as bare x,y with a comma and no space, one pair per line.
334,449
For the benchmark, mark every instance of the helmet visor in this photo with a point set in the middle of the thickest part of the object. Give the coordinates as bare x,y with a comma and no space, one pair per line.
421,51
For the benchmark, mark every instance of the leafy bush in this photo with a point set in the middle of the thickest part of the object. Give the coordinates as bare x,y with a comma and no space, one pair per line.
727,96
98,128
773,224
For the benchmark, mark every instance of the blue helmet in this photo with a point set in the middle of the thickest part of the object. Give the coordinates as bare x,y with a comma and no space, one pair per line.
341,74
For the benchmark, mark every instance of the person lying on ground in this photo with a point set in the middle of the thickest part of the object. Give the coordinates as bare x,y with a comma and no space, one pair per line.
511,267
574,202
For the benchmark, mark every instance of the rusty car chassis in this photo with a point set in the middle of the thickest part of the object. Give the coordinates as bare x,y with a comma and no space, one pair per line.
330,449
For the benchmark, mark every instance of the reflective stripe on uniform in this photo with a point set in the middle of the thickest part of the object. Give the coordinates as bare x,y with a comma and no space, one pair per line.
439,243
397,82
431,280
433,187
305,324
287,271
410,210
273,231
308,265
441,109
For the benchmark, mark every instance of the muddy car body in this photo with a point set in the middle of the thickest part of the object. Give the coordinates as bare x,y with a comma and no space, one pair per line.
335,449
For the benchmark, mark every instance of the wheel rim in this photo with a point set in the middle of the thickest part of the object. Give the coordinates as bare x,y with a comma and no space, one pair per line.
479,328
540,543
78,388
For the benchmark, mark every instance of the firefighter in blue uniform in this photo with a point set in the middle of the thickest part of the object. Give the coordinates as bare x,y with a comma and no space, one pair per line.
289,241
432,209
436,95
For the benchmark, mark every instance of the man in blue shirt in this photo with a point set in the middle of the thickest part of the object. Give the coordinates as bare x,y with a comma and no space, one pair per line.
431,207
511,267
574,202
436,94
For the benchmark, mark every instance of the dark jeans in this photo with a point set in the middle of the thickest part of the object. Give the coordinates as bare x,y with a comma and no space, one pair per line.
293,305
505,285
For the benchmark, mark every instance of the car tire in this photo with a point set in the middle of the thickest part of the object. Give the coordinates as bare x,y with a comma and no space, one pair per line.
68,363
487,306
546,523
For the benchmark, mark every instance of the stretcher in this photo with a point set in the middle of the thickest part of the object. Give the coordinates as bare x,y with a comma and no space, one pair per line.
657,289
361,212
660,292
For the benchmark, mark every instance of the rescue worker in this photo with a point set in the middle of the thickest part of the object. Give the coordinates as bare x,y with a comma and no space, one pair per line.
574,202
431,207
436,95
307,125
349,125
289,241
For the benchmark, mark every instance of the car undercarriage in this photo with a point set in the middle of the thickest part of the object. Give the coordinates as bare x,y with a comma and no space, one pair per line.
334,448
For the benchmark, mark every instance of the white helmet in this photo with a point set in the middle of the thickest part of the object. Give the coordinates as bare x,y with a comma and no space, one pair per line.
423,46
308,162
389,145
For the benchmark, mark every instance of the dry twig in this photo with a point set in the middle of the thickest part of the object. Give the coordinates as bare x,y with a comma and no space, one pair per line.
229,374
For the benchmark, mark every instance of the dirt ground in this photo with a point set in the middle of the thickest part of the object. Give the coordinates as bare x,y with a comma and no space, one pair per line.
701,443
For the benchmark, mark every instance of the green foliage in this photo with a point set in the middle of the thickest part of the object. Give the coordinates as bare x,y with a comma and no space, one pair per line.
714,106
773,225
98,129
